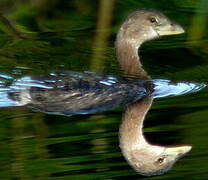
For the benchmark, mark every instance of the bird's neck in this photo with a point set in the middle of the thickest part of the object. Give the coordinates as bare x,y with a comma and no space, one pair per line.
130,132
127,54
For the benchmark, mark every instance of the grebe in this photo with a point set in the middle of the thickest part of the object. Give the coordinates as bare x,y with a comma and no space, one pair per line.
71,93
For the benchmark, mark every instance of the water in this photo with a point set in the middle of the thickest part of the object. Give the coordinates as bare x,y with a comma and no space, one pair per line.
35,145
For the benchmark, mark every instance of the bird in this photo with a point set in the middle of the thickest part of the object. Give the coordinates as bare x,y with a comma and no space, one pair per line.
71,93
147,159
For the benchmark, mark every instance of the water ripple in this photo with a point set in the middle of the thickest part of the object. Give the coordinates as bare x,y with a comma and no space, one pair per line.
165,88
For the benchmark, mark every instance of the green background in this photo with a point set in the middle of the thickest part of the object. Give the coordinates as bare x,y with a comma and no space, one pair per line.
44,35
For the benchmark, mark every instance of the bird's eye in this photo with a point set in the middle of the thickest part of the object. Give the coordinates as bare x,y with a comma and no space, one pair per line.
160,160
153,20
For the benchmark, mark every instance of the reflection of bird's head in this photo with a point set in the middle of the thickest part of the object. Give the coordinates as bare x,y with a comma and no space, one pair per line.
150,160
147,24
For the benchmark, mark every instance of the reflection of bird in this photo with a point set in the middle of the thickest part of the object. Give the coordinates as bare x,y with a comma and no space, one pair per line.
147,159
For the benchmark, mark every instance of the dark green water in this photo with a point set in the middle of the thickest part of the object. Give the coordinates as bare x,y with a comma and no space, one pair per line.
39,146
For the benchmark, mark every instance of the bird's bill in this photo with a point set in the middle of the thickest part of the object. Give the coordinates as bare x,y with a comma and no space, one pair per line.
178,152
169,28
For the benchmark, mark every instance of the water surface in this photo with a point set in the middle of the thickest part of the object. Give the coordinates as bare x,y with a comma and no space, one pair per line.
35,145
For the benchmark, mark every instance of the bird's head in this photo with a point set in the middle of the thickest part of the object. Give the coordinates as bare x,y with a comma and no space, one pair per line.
155,160
147,24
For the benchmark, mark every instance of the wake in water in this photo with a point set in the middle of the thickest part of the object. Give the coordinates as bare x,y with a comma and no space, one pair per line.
68,93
